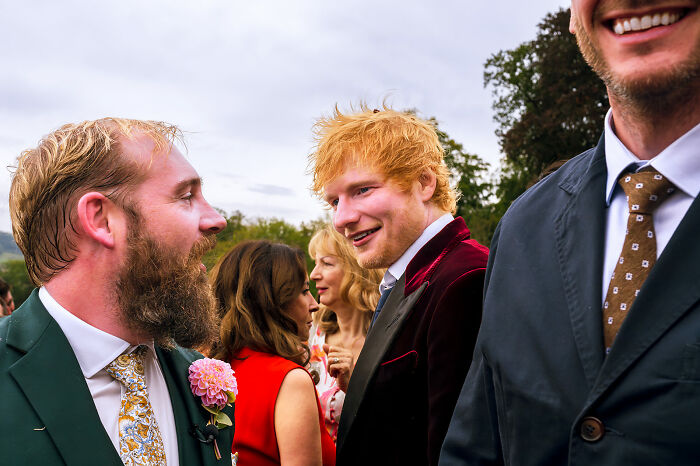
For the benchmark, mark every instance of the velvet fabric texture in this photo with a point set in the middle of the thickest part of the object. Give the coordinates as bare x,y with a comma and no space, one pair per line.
408,376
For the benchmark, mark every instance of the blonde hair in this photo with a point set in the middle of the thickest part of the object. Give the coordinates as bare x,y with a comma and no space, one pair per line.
359,287
400,145
69,162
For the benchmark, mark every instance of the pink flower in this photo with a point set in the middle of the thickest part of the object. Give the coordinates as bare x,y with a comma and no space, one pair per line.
213,381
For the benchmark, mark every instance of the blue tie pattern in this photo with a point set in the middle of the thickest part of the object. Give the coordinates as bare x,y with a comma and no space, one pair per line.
382,299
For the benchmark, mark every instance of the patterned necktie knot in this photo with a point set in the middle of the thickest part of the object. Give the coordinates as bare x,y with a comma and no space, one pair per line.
645,190
128,369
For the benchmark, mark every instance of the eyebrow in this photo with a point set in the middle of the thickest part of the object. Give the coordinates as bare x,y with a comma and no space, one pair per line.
355,185
188,183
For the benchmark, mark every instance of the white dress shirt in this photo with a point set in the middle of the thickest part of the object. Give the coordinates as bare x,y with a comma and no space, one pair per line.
398,268
679,163
95,349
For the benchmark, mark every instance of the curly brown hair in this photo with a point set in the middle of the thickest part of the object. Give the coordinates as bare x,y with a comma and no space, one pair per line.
254,284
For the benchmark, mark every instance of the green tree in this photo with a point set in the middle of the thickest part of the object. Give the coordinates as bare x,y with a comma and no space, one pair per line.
548,103
470,175
14,272
239,229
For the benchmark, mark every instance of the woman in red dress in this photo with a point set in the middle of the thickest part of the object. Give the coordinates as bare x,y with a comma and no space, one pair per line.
263,295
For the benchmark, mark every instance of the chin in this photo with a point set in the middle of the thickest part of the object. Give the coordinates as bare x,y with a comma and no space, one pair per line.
373,261
326,302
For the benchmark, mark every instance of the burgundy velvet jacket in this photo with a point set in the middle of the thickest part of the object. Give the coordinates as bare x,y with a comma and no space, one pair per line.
410,372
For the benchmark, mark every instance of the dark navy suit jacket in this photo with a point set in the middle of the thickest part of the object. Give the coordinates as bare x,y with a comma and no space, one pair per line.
539,378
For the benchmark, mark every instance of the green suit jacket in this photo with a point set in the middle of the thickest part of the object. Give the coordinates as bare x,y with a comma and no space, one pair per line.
47,415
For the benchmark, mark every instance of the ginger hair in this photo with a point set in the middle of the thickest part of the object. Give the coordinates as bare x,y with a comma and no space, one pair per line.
398,144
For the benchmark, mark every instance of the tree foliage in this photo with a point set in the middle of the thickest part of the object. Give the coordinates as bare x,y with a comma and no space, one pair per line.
548,103
15,273
471,177
238,228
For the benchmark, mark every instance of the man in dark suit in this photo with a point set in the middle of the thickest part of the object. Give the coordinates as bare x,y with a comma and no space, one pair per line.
112,223
589,351
384,176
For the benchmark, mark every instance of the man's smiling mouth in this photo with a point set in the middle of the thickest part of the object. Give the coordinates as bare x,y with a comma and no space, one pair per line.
363,235
624,25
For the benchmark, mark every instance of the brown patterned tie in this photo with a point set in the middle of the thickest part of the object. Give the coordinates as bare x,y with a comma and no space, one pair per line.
645,190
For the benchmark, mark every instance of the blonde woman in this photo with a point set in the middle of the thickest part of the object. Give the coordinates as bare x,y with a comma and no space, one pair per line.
348,295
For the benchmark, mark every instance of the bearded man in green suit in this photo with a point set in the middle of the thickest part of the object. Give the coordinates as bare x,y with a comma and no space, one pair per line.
113,224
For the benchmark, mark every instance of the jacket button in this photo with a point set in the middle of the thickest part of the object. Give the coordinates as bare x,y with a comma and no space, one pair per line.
592,429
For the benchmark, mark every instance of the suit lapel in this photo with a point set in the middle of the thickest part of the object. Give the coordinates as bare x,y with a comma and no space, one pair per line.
63,401
379,339
579,235
671,289
188,413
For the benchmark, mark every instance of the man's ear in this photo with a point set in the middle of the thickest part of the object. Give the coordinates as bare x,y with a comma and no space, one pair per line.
427,182
94,215
572,23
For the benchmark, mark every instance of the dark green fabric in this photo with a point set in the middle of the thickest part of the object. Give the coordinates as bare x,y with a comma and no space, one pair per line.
48,416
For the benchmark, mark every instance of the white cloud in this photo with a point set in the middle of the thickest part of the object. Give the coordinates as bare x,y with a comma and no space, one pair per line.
248,79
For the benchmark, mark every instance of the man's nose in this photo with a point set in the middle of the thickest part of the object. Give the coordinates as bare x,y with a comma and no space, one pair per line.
212,221
345,215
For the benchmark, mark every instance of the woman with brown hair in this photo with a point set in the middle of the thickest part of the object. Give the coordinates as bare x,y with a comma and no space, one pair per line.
348,295
262,290
7,303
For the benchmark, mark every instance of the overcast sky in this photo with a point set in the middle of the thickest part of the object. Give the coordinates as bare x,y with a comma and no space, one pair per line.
246,80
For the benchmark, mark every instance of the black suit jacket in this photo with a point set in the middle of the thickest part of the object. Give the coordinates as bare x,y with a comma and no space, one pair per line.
47,413
408,376
540,381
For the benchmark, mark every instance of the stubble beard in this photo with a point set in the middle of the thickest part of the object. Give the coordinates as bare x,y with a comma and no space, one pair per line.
653,95
164,296
393,248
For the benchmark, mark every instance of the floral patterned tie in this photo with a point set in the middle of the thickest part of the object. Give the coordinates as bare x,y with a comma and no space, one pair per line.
140,443
645,190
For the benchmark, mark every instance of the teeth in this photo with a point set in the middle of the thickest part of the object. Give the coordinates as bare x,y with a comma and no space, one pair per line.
359,237
362,235
636,23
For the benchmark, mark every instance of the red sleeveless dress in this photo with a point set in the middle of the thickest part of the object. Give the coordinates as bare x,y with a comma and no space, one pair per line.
259,377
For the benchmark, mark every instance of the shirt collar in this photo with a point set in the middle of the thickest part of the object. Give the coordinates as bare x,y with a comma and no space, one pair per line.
679,162
398,268
93,348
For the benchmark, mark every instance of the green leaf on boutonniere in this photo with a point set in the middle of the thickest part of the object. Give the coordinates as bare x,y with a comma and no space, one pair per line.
231,397
223,419
213,411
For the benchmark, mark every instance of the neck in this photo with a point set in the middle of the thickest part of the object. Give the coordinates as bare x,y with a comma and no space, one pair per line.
94,304
350,322
432,213
647,127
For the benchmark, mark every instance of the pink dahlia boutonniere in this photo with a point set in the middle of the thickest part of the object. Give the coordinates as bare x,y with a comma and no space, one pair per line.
214,382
